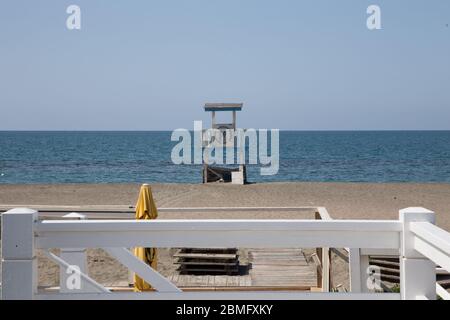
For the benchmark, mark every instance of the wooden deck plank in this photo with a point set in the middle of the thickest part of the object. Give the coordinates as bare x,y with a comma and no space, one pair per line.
220,281
281,268
211,281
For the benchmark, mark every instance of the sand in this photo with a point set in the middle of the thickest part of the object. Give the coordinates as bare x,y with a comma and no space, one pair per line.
342,200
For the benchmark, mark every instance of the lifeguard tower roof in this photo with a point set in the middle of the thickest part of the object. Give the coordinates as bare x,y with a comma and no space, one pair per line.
223,106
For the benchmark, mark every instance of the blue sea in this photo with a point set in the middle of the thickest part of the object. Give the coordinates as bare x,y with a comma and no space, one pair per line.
115,157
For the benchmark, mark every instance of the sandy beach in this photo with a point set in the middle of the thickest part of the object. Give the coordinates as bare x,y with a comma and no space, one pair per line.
342,200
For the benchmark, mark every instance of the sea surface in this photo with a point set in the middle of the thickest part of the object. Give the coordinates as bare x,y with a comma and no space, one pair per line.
114,157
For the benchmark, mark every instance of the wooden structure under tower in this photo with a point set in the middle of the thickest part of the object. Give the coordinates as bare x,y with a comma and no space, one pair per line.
236,175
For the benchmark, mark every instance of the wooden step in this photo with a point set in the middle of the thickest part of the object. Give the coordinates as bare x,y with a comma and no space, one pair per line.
391,264
390,278
225,256
444,283
210,250
206,263
185,269
390,271
389,258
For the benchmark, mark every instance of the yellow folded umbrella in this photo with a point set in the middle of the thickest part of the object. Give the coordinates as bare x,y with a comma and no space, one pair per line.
145,209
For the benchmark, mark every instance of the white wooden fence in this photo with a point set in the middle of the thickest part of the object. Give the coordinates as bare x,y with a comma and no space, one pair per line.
414,236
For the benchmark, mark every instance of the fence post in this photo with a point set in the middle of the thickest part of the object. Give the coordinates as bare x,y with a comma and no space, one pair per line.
75,257
326,263
324,255
417,273
354,266
19,265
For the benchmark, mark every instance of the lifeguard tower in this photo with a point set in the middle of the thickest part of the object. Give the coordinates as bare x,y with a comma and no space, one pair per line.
224,174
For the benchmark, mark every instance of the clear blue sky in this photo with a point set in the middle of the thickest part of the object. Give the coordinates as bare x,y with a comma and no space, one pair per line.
150,65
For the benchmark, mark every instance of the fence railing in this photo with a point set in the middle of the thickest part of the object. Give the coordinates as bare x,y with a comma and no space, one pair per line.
420,243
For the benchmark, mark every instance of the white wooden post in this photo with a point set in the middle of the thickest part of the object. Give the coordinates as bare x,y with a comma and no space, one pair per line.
354,266
234,119
326,269
364,272
19,265
74,257
417,273
213,119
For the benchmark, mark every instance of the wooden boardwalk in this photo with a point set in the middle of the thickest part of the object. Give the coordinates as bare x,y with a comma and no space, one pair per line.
270,268
281,268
